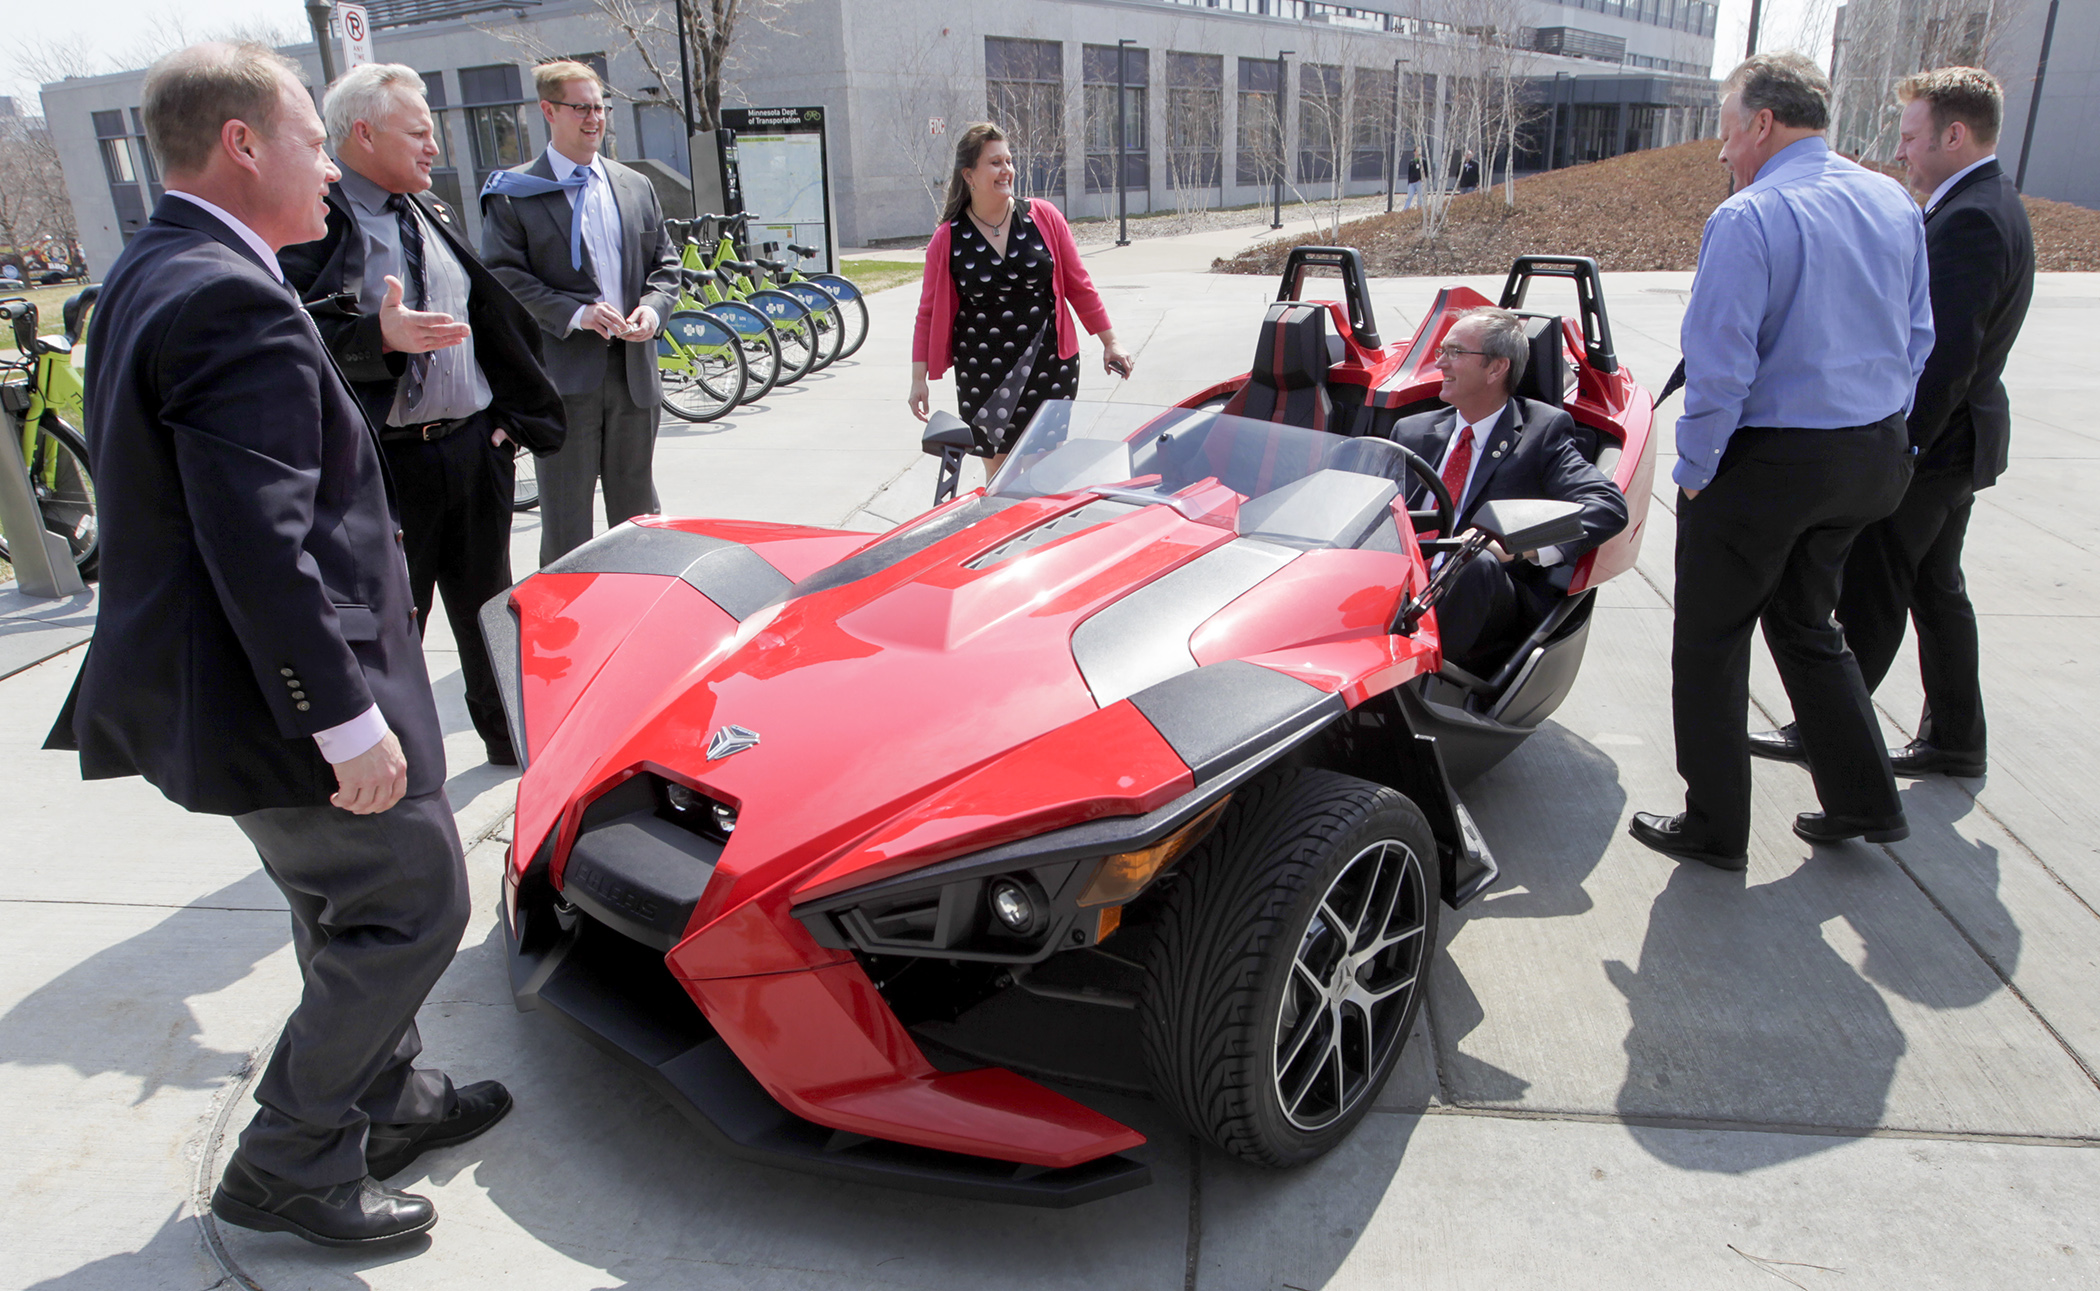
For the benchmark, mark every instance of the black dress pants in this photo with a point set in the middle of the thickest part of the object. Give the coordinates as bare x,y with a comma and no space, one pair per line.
378,904
1485,613
611,444
1910,565
455,499
1766,541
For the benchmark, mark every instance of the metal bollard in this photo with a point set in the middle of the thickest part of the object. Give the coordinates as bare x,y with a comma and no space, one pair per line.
43,563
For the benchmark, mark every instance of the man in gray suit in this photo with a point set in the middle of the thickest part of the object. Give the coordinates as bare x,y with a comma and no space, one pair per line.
580,241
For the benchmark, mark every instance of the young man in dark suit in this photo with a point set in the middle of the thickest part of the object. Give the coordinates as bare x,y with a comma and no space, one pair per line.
1981,251
1490,445
580,241
256,652
444,359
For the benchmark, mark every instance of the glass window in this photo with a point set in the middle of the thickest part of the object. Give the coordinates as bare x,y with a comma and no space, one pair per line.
1098,63
1320,120
1371,124
1024,83
1259,137
1195,117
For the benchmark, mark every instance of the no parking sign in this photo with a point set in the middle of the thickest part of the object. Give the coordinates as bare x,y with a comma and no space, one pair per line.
357,35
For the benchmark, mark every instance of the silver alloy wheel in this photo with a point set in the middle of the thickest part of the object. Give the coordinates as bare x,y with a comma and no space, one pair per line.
1352,984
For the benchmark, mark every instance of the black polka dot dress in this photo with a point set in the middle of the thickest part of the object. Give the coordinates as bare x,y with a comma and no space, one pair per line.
1005,334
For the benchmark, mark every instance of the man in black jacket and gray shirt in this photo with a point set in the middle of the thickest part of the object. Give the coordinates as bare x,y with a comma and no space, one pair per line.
1981,252
443,358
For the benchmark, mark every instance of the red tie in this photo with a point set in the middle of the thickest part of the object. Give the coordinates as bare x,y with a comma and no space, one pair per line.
1457,466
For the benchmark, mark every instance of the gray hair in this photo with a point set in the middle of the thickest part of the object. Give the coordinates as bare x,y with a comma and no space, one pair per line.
1790,84
1501,337
190,95
365,94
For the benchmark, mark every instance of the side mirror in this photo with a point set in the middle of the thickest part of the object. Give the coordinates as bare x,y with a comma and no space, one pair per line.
1527,524
945,430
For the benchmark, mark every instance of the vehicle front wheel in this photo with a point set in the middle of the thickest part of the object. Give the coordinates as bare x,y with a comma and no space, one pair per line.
1290,959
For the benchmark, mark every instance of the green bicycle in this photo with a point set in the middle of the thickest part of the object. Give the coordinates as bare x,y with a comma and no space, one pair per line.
701,292
803,346
35,410
703,365
834,299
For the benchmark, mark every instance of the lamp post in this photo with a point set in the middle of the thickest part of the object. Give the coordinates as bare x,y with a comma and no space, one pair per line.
318,13
685,86
1283,85
1122,146
2034,98
1553,148
1392,167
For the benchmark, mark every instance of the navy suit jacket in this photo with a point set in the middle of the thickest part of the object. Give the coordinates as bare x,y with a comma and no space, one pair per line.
254,589
1530,454
1981,250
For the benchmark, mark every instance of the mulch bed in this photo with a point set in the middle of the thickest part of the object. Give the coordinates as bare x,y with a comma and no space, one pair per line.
1641,211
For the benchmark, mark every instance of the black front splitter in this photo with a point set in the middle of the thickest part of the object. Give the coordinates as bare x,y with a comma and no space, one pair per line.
617,994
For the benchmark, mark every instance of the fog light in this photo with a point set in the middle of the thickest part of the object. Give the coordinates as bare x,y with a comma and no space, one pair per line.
682,798
725,818
1012,906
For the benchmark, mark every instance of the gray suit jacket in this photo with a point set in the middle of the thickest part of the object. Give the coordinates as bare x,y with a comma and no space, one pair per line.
525,243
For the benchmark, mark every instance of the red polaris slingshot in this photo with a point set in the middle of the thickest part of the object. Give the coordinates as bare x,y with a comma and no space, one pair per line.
1134,770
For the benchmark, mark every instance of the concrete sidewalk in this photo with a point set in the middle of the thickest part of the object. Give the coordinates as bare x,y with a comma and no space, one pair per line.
1851,1067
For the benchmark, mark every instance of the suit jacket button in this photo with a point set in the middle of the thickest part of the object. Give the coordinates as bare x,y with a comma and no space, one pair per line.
298,694
401,536
284,672
302,705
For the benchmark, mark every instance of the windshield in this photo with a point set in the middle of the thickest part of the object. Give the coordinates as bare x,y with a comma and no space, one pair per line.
1147,454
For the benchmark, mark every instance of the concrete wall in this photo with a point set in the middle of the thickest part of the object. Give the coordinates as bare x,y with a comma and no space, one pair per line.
2065,163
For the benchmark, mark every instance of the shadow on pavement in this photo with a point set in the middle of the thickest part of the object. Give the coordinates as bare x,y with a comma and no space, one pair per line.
125,1009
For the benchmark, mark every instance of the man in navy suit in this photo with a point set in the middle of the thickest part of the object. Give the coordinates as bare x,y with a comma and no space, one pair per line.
1981,253
1491,445
256,652
579,239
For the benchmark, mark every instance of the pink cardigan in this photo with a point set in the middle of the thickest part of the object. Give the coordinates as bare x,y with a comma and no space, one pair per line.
931,337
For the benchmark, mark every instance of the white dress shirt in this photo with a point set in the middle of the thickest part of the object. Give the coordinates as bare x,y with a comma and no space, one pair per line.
1946,185
601,228
362,732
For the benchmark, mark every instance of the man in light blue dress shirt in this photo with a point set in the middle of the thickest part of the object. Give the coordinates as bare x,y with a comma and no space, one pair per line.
1809,322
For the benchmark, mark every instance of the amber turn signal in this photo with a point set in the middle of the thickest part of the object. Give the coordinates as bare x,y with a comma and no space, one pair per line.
1125,874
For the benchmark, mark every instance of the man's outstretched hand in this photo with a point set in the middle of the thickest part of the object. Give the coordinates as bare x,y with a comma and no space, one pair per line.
414,331
372,781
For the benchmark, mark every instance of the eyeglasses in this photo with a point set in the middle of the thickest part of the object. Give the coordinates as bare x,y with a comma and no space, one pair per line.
1446,352
583,109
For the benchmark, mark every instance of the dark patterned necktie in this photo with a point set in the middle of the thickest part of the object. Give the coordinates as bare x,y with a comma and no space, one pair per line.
418,293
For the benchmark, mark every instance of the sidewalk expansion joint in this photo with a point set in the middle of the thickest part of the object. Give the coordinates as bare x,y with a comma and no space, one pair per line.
144,905
1712,1124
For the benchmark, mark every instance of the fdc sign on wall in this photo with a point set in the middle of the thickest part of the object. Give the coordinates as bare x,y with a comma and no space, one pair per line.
781,170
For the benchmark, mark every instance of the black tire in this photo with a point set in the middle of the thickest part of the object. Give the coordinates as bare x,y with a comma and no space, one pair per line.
65,493
525,491
794,330
1233,1022
853,310
761,346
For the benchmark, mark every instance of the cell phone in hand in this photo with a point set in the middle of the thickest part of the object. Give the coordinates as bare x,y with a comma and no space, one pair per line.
1121,367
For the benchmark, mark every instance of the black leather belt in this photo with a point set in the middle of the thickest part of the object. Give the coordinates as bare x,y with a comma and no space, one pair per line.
428,432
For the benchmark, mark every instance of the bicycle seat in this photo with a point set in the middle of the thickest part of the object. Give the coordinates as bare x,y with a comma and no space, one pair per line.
775,265
801,250
741,266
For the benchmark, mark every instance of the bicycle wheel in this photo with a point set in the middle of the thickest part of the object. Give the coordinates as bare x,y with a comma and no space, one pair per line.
756,338
796,329
853,310
702,366
526,494
58,473
824,315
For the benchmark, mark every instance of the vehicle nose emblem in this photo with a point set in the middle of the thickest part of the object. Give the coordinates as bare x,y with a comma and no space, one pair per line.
730,740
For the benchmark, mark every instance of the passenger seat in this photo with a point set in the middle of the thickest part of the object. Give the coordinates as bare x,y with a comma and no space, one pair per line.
1288,382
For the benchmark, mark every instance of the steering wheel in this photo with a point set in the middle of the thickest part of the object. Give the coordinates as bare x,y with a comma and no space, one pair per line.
1445,517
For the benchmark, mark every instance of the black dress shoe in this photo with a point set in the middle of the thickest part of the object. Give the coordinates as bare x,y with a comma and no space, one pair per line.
1819,828
502,755
1782,745
1666,835
1918,758
362,1212
390,1149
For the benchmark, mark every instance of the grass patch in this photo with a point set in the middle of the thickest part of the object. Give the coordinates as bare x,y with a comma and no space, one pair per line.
876,275
48,301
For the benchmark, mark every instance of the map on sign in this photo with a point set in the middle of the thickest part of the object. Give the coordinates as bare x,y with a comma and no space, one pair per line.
783,178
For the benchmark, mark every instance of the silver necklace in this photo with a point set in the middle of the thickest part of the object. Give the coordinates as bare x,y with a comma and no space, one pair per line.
995,230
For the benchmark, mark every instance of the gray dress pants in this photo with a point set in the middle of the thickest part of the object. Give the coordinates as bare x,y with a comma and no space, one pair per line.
610,439
378,907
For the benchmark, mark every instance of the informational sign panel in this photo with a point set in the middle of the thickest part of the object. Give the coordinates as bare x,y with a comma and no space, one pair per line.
357,35
780,169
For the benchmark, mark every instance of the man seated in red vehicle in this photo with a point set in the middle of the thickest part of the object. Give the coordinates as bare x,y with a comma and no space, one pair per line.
1490,445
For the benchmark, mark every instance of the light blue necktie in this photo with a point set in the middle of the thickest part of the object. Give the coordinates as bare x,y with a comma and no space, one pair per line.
512,183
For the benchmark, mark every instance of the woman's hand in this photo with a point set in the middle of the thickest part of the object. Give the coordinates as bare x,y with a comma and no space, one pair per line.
1115,360
921,400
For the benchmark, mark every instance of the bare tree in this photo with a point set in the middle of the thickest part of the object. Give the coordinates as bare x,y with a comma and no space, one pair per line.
1195,124
929,93
1882,41
36,213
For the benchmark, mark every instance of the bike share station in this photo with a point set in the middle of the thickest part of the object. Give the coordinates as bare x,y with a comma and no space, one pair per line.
776,167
